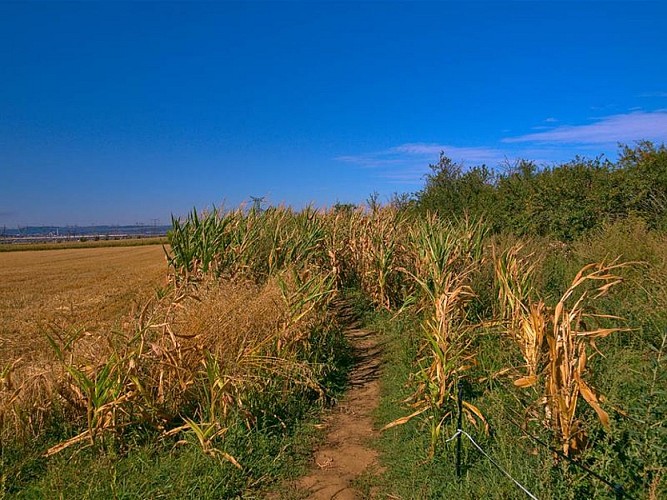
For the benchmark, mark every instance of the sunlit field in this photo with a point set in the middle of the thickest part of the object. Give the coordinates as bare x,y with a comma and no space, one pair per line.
87,288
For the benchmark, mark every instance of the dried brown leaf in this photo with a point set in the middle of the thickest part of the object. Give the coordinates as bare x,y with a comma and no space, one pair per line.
524,382
403,420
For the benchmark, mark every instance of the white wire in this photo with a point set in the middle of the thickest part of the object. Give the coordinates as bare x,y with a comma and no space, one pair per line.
461,431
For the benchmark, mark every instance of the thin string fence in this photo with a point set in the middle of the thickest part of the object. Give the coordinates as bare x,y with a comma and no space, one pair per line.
617,488
460,432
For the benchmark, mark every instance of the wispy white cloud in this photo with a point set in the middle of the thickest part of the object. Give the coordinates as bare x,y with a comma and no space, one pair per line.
625,128
371,160
418,148
407,163
456,153
653,94
421,152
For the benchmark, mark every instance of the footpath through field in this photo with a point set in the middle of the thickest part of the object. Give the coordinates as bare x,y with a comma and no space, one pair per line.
346,452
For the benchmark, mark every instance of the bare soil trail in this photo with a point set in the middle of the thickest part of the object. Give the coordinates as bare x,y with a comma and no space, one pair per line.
346,452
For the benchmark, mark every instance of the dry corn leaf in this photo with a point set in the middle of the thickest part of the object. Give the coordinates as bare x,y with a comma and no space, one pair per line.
600,332
478,413
524,382
499,373
403,420
592,400
66,444
229,458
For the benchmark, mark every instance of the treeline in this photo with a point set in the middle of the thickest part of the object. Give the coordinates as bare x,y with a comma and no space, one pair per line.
563,201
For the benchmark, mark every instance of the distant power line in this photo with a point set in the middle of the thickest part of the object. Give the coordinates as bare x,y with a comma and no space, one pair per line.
257,202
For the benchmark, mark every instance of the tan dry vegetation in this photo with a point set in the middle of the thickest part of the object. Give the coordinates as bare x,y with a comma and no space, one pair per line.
56,291
88,243
106,368
530,323
87,288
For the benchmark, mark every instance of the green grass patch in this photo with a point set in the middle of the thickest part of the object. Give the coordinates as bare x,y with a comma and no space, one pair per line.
169,470
409,472
632,454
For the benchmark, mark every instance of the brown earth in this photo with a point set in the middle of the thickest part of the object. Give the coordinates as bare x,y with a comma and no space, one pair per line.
347,453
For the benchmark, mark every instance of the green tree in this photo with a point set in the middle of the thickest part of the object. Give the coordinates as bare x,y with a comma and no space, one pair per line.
451,192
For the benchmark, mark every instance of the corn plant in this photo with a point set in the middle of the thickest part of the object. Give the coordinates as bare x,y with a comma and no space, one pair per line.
530,323
253,245
297,239
523,316
374,250
569,341
102,390
304,294
445,255
205,433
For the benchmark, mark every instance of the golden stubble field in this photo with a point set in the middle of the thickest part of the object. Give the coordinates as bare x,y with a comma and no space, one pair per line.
89,288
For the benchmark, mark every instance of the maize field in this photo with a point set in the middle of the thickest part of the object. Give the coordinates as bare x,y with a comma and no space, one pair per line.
248,319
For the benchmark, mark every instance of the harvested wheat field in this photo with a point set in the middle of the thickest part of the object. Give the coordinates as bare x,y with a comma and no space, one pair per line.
88,288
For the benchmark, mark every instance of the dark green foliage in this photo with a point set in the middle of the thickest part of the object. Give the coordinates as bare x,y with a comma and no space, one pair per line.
453,193
563,201
344,207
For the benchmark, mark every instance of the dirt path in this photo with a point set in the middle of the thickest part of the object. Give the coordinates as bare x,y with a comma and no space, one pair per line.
346,452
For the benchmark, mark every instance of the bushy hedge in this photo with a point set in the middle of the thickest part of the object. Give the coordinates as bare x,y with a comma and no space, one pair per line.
562,201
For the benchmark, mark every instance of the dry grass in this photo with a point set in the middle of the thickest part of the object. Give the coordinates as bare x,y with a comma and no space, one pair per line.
88,243
88,288
191,356
71,292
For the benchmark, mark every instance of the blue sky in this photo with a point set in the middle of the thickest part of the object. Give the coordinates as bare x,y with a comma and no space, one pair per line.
126,112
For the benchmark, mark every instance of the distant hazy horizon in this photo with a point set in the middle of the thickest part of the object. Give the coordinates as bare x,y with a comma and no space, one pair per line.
73,228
